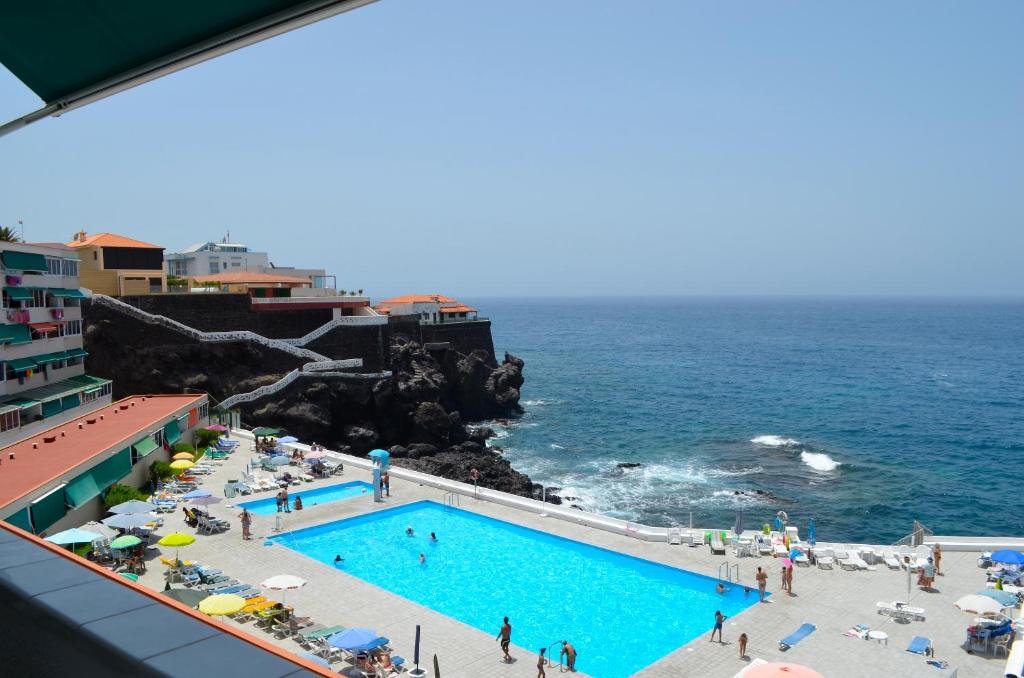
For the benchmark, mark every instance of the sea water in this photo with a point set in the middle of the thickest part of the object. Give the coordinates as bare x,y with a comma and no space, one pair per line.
862,414
620,613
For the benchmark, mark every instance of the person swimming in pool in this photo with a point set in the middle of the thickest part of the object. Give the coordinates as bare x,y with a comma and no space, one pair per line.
720,588
408,531
423,559
433,537
338,559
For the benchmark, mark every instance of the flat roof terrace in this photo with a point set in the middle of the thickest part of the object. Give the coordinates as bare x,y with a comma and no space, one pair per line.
47,456
834,600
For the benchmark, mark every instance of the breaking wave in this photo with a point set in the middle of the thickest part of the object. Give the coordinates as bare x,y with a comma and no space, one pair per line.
774,441
819,461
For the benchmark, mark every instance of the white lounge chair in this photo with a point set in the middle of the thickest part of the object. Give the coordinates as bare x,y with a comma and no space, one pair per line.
898,610
717,545
675,536
890,560
764,544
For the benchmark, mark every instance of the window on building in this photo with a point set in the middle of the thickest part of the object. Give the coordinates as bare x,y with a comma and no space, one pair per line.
70,268
158,437
71,327
214,266
53,266
9,420
38,299
204,411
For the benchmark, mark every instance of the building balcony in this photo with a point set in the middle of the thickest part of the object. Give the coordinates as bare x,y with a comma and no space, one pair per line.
40,346
12,387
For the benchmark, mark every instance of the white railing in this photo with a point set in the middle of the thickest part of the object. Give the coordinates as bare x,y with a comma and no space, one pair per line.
270,389
211,337
328,365
347,320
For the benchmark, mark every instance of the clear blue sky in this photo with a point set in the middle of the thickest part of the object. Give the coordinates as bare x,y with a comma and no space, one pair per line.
572,147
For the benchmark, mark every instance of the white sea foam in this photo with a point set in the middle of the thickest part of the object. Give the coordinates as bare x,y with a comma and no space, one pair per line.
540,402
556,446
774,441
726,473
819,461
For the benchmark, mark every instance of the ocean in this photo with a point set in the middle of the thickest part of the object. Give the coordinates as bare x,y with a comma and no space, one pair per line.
864,414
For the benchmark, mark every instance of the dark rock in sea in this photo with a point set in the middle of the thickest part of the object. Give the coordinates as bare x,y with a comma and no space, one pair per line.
458,460
628,465
481,434
548,494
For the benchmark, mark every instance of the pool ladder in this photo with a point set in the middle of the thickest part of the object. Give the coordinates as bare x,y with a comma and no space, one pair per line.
730,569
451,500
551,662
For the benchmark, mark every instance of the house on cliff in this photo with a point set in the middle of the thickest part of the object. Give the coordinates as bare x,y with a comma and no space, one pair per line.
430,308
116,265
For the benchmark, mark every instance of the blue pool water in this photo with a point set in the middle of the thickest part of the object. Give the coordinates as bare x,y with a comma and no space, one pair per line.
321,495
620,612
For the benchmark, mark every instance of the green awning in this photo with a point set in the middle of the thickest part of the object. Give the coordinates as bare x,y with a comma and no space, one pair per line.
22,261
51,407
172,433
48,509
76,353
22,403
7,407
70,402
266,432
87,380
22,364
18,293
144,446
71,53
81,489
50,357
15,334
20,519
64,293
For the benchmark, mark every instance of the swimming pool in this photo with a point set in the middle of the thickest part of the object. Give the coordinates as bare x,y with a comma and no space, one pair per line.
620,612
321,495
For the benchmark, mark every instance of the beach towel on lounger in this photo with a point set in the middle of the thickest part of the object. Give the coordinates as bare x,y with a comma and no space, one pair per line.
920,645
792,639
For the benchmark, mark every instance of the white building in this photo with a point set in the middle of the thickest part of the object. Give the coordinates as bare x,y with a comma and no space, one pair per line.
429,308
42,362
213,258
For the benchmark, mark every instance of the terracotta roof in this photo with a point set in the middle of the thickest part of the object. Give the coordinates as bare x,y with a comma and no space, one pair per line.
113,240
241,277
416,299
460,308
31,468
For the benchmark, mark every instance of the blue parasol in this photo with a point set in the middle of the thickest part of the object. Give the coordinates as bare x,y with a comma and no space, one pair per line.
1008,557
133,506
74,536
1002,597
280,460
778,524
812,532
353,639
195,494
288,439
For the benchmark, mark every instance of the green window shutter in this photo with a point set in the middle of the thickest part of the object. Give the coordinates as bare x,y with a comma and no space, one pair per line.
113,469
15,334
51,407
172,433
71,401
77,353
81,490
20,519
24,261
144,447
48,509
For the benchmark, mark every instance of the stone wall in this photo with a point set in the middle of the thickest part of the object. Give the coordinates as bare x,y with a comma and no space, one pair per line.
223,312
463,337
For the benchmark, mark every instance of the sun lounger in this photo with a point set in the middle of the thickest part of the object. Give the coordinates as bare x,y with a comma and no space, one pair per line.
792,639
802,560
898,610
675,536
717,545
890,560
764,544
779,550
920,645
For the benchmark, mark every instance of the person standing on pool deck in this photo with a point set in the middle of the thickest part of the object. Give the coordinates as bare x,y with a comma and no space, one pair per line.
937,556
570,655
762,582
719,620
540,664
284,500
743,645
505,635
246,524
385,483
279,509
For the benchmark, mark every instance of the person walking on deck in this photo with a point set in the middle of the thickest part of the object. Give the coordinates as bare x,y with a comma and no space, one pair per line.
762,582
505,636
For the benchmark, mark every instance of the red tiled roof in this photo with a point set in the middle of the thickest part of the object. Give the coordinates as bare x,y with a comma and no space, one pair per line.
417,299
461,308
113,240
242,278
118,428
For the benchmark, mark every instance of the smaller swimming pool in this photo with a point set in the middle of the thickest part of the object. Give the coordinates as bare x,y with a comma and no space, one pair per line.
321,495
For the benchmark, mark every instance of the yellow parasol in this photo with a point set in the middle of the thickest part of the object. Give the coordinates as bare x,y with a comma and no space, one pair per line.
176,540
223,604
181,465
187,456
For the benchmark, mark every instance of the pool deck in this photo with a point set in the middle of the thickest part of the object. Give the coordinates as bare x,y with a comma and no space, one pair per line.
834,600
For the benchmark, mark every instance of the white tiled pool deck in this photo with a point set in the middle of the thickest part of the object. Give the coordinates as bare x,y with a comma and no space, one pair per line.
834,600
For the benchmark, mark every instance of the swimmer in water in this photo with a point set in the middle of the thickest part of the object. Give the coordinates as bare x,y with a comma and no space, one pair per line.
423,559
338,559
720,588
433,537
408,531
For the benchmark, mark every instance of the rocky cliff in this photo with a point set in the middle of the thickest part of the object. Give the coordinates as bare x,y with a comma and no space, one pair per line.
420,414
